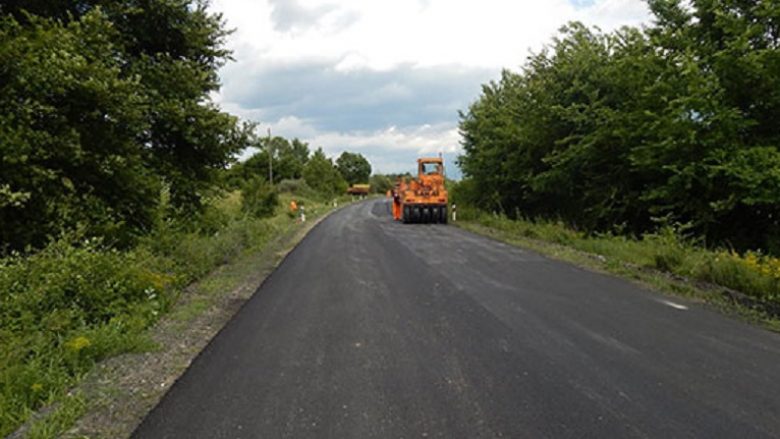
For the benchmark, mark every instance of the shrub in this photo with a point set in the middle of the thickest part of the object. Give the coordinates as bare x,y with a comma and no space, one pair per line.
259,199
297,187
64,308
668,248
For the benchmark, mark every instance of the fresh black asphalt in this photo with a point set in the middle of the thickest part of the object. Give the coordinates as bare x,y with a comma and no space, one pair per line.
371,328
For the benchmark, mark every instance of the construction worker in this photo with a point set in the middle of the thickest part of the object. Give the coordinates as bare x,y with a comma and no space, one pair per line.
396,205
293,207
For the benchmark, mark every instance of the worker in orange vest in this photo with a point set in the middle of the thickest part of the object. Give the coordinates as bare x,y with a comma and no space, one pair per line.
396,205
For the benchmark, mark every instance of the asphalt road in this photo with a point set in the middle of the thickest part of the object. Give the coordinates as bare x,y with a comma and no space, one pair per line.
371,328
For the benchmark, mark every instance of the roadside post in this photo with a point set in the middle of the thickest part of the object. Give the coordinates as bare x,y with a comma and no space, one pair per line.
454,212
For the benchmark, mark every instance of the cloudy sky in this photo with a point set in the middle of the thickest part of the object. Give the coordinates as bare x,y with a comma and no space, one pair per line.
385,78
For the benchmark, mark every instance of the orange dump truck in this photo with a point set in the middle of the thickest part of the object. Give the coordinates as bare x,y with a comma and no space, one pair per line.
424,199
359,189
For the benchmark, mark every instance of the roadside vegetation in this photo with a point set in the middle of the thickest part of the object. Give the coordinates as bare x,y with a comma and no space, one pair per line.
655,146
120,185
617,131
751,279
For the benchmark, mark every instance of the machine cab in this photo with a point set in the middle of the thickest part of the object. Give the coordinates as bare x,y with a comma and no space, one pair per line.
430,168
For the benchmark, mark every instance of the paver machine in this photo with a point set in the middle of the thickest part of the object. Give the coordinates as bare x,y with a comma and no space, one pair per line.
424,199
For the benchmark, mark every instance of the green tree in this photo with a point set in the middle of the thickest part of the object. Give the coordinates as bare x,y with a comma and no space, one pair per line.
132,79
729,52
258,198
353,167
320,174
290,158
69,152
380,183
613,130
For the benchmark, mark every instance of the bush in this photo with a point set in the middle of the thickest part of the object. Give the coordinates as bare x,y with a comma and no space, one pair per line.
296,187
668,248
64,308
259,199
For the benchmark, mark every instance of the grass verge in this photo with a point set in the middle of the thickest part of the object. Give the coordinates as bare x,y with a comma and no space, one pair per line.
748,284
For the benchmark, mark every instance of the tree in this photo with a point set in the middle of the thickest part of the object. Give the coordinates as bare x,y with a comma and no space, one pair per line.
68,134
289,158
258,198
353,167
322,176
614,130
107,102
381,183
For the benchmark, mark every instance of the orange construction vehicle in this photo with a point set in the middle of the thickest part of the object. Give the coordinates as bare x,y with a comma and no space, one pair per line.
422,200
359,189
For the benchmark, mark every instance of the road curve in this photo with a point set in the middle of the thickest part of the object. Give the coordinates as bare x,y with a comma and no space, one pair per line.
371,328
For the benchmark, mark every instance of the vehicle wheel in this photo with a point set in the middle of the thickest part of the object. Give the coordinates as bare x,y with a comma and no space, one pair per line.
416,214
406,216
426,215
443,213
435,214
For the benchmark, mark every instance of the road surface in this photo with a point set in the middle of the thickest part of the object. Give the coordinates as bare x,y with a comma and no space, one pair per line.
371,328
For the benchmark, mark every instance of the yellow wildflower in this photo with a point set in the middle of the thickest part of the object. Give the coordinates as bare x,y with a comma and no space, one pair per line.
78,343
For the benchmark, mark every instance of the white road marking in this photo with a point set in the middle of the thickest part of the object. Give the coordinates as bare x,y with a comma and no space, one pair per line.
674,305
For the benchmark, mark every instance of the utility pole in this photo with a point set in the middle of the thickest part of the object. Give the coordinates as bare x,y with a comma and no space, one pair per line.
270,159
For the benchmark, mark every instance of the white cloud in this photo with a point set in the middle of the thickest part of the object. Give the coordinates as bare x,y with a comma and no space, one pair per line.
384,148
385,76
382,34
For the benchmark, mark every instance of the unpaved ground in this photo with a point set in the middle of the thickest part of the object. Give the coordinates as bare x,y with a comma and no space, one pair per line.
123,389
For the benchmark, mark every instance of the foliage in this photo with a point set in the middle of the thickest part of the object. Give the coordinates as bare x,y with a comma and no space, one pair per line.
78,300
67,134
297,188
322,176
353,167
106,102
608,131
292,158
258,198
380,183
289,159
65,308
669,251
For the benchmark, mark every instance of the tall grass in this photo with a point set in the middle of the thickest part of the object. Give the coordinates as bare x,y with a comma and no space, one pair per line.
79,301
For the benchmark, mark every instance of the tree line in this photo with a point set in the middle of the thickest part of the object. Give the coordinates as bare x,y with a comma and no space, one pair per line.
107,110
293,160
104,104
674,124
289,164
